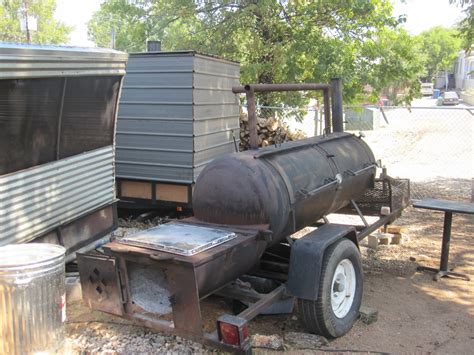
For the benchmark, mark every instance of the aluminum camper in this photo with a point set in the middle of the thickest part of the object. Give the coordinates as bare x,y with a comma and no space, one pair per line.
58,111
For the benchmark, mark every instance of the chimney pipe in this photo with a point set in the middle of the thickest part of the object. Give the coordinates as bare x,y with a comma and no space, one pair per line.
153,46
337,110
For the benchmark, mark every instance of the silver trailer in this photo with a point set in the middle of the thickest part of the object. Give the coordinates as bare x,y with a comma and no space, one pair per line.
58,111
177,112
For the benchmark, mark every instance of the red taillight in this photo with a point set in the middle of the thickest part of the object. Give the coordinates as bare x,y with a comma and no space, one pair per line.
233,330
229,333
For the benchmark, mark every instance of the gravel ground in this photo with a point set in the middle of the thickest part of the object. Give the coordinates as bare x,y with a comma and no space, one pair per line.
107,337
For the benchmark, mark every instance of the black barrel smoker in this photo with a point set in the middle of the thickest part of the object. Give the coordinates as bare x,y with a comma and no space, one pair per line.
239,245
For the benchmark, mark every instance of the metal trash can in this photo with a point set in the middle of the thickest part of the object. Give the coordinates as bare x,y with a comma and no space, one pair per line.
436,93
32,298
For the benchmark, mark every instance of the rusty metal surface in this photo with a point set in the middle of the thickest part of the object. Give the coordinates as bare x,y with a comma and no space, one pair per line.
262,196
335,88
386,192
182,286
327,112
232,258
336,108
100,283
263,303
288,187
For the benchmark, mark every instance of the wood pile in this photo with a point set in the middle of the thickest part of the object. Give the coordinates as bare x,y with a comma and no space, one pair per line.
270,131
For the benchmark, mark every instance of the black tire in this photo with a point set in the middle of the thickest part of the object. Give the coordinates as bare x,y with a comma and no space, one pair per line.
318,316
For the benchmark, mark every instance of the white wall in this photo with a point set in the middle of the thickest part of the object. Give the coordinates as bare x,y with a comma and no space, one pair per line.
469,84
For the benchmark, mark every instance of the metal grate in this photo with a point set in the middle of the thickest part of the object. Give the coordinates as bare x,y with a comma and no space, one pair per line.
387,192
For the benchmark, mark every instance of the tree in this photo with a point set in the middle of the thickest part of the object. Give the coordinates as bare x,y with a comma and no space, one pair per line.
49,30
129,20
275,40
440,47
399,64
466,25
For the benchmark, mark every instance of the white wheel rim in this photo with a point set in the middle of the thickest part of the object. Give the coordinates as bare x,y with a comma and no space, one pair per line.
343,288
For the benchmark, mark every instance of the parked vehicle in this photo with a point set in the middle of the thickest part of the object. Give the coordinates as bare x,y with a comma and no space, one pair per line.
427,89
449,98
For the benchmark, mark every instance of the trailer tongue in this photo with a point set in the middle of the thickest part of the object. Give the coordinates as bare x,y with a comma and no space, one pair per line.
247,205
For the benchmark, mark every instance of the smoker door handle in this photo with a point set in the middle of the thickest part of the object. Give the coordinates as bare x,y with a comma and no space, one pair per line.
311,193
360,171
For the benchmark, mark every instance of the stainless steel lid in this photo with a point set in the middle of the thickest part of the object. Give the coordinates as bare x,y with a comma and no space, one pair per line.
179,238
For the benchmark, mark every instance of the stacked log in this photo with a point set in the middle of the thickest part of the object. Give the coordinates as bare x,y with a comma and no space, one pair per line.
271,131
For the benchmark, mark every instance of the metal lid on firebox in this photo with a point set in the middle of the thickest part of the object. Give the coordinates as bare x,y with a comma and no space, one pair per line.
179,238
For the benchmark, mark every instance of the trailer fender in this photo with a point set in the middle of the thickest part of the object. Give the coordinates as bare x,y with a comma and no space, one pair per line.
306,259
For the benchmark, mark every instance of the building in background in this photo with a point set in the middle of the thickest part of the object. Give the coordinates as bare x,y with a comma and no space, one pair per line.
464,75
464,70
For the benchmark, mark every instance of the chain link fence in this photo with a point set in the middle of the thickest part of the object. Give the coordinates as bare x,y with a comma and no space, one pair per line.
432,146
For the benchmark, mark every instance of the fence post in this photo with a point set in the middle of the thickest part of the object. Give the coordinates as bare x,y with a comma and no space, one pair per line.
472,190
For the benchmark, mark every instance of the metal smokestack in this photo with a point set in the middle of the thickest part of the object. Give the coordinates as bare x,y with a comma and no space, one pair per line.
153,46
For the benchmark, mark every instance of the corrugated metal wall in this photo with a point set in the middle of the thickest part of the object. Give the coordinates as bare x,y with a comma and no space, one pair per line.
177,112
37,61
58,110
38,199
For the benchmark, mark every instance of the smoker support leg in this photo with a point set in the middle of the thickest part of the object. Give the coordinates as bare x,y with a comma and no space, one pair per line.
443,267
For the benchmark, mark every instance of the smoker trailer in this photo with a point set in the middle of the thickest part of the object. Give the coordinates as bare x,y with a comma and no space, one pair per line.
57,123
177,112
239,245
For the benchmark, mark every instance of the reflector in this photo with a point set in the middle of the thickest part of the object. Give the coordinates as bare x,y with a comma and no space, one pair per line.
229,333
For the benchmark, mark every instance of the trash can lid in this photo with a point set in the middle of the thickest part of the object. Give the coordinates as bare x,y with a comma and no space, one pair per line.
18,255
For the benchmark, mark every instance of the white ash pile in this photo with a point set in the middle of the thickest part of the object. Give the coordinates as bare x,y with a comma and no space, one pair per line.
270,131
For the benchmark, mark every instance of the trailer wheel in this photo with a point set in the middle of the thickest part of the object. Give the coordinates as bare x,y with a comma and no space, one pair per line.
340,292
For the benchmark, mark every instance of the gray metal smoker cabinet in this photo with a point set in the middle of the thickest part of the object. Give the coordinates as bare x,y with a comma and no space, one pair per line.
177,112
58,110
